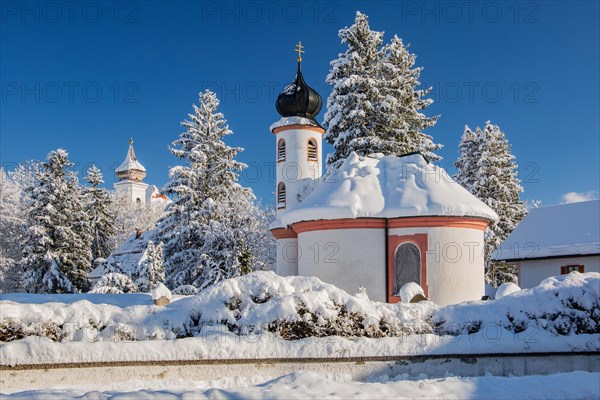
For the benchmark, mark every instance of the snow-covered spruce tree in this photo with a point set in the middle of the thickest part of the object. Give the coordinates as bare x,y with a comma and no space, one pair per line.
101,217
261,239
466,165
57,251
352,104
24,176
12,226
487,168
375,104
400,119
206,227
151,270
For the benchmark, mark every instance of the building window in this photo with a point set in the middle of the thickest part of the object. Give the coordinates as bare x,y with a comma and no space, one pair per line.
281,195
407,266
567,269
281,150
312,150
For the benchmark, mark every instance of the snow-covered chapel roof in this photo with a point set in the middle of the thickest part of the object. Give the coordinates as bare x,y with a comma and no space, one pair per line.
554,231
380,186
130,162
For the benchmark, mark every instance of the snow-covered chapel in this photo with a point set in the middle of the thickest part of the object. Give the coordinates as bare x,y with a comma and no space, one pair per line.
377,222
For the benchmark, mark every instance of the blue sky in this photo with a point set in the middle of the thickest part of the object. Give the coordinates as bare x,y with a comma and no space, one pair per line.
87,76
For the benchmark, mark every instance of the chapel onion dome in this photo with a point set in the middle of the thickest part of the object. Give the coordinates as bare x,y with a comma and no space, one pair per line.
131,169
299,100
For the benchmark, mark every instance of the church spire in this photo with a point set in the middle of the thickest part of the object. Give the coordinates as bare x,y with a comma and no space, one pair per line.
298,99
131,169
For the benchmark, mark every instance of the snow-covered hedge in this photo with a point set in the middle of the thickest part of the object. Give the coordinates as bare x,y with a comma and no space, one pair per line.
561,305
298,307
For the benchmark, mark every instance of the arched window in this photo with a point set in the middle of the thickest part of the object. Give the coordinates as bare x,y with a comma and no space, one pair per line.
281,195
281,150
407,265
312,150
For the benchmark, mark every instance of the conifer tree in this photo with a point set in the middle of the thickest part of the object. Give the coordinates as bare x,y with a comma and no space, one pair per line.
487,168
100,216
466,165
352,104
57,253
13,226
401,121
151,270
205,228
375,104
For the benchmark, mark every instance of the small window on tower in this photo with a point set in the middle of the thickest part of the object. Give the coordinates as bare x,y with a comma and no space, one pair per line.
312,150
281,150
281,195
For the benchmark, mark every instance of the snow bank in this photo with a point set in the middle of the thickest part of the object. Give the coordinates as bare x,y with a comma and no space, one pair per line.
387,187
265,315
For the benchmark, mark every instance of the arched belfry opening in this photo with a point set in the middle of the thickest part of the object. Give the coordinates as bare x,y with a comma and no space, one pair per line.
407,265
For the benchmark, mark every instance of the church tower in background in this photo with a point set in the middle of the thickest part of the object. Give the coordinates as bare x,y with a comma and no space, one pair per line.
131,174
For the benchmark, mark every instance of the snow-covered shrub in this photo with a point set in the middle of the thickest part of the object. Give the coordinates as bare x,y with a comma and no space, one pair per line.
11,330
113,283
505,289
150,270
186,290
561,305
297,307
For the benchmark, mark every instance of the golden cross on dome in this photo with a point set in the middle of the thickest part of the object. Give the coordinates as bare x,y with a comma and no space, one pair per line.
299,50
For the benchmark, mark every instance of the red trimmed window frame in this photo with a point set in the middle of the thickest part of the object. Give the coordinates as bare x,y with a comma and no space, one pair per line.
421,240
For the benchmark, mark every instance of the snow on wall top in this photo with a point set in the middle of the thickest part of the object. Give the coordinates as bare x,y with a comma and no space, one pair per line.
286,121
560,230
387,187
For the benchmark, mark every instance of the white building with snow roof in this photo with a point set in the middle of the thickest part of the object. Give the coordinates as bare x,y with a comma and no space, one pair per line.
378,222
554,240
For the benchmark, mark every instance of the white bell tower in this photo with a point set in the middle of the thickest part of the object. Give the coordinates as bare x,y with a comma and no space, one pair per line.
131,173
298,154
298,144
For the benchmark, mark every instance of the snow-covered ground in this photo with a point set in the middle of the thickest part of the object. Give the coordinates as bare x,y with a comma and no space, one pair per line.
262,315
304,385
